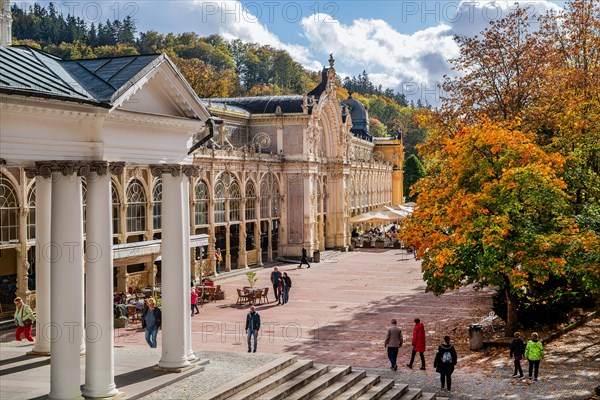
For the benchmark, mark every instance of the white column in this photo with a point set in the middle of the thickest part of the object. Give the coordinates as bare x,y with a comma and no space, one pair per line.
66,301
99,362
175,300
43,196
188,265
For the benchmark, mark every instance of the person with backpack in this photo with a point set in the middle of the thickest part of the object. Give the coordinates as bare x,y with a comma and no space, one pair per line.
517,349
534,352
444,362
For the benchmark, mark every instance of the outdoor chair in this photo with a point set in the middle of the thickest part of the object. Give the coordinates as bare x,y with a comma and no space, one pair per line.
489,319
265,293
242,297
131,312
257,296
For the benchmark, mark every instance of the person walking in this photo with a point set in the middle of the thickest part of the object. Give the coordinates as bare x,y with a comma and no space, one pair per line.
151,321
275,275
218,260
304,259
393,342
23,320
418,344
287,285
194,301
517,349
534,352
444,362
252,327
280,290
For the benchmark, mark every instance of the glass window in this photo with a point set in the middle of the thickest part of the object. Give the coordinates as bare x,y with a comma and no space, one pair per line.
234,202
250,201
201,207
31,214
265,197
136,207
219,202
9,212
157,204
116,208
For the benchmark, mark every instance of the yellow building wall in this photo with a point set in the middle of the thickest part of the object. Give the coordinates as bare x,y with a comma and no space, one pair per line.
393,152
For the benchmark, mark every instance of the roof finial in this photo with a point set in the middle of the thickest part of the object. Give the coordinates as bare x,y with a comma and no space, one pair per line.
331,60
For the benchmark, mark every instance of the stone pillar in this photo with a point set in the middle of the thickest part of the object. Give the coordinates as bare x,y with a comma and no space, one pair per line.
210,257
227,245
99,362
43,197
187,266
174,270
66,291
22,262
242,256
122,279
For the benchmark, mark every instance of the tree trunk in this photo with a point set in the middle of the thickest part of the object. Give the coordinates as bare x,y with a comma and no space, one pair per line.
511,312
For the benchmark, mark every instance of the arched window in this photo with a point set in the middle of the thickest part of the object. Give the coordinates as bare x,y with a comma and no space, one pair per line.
157,204
265,196
31,214
116,208
250,201
201,207
9,212
234,201
84,204
136,207
219,202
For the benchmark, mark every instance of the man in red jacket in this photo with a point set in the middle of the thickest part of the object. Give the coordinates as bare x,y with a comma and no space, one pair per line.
418,343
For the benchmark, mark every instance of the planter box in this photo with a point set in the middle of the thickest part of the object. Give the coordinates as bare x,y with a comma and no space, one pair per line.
379,245
120,323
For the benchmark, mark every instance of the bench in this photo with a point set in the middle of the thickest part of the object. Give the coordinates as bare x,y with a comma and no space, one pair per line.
489,319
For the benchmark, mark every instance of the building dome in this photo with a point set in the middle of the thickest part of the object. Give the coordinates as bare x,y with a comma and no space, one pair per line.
359,115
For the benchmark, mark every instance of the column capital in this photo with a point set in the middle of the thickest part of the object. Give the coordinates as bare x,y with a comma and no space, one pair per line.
82,168
116,167
175,170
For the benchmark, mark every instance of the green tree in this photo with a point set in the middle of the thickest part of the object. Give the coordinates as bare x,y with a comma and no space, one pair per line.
413,171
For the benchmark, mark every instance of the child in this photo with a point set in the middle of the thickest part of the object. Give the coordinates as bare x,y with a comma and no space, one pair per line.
534,352
517,348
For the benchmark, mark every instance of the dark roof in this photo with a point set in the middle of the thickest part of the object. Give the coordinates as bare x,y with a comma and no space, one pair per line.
263,104
30,72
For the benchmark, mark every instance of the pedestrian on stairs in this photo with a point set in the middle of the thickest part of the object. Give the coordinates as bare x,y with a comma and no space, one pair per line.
444,362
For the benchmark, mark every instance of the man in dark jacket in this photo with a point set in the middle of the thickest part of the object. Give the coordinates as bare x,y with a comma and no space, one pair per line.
252,327
275,275
393,342
444,362
151,321
517,349
304,258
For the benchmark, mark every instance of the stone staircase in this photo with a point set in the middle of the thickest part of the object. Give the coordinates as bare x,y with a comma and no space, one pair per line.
293,379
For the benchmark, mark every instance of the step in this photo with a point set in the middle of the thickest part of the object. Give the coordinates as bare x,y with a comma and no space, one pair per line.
296,383
256,375
428,396
360,387
411,394
320,383
341,385
397,392
378,390
273,381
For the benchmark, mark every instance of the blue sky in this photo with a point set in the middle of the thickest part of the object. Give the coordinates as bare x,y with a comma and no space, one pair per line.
401,44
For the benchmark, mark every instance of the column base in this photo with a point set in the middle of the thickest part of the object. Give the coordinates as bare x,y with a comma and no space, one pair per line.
112,394
178,370
35,353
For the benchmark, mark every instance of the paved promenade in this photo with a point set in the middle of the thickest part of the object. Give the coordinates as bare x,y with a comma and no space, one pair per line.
338,313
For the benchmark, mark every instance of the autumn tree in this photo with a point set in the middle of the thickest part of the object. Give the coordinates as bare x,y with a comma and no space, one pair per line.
205,80
511,195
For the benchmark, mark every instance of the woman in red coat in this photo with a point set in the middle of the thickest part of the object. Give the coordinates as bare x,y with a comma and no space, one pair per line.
418,343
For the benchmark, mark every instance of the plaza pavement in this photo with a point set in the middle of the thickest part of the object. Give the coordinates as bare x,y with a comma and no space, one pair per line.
338,313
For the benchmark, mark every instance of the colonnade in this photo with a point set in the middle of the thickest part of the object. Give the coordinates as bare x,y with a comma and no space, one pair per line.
63,332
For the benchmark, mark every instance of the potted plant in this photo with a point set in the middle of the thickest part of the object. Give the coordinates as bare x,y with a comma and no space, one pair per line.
379,243
252,278
120,319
